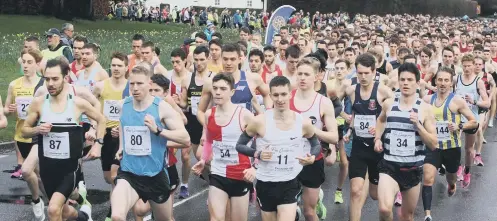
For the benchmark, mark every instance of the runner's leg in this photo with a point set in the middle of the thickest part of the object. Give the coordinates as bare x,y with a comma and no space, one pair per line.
410,200
387,189
239,207
287,211
429,172
163,211
217,200
310,197
122,200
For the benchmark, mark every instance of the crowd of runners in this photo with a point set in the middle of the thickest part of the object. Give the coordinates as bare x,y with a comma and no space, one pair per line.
387,98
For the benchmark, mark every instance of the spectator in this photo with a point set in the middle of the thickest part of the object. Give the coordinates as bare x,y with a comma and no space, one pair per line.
67,34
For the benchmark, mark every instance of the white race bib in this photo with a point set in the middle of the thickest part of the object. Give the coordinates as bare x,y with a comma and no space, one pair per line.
244,105
225,152
195,100
137,140
443,132
284,159
402,143
362,124
22,106
111,110
56,145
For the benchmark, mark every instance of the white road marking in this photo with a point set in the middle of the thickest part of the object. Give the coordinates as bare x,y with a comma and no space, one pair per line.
3,156
189,198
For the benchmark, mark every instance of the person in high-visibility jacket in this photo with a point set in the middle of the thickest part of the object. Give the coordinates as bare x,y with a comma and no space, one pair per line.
55,46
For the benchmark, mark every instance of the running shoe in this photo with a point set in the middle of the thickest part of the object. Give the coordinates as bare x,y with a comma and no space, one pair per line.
398,199
491,123
428,218
86,209
338,197
39,210
459,174
110,219
183,192
466,181
299,214
82,189
321,209
484,140
478,161
17,172
452,191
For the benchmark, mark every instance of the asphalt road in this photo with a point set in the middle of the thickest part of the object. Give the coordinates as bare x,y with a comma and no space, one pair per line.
478,202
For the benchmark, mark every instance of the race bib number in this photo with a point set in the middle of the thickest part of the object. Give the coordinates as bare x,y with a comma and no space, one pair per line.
56,145
22,106
362,124
111,110
137,140
195,100
284,159
225,152
443,132
402,143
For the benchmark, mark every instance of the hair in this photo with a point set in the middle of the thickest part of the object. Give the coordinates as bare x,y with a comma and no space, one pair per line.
138,37
201,35
292,51
448,48
217,42
256,52
64,66
225,77
279,81
468,57
270,48
217,34
284,42
81,39
411,68
366,60
140,69
121,56
349,49
94,47
66,26
201,49
426,51
322,61
35,53
311,61
161,80
447,70
232,47
246,30
178,52
341,60
32,39
478,47
403,50
411,56
148,44
376,53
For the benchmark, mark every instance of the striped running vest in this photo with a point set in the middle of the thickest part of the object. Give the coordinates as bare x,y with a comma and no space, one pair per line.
401,141
443,116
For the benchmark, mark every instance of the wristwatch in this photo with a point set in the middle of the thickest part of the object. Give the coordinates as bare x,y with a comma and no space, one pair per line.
461,126
100,141
159,131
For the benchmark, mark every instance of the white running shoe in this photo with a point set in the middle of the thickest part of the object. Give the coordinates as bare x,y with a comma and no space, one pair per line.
491,123
86,209
39,210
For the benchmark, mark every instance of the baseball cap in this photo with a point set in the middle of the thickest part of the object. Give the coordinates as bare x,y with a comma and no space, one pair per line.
53,31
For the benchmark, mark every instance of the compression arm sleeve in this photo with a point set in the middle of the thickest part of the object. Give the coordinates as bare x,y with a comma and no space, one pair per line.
337,106
241,145
315,145
207,151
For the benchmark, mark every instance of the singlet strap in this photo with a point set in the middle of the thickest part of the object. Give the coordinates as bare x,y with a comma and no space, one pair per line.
433,98
446,106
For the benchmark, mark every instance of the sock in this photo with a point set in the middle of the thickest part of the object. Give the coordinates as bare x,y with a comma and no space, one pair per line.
427,196
339,189
36,201
109,214
185,185
82,216
80,200
466,169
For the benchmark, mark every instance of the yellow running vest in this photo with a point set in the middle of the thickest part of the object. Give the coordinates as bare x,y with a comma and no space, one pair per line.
109,99
443,116
22,97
